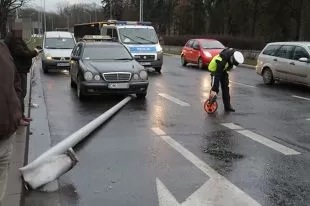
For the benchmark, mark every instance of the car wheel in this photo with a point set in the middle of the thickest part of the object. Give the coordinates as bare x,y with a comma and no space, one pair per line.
158,69
72,83
268,76
45,69
141,95
79,91
200,63
183,61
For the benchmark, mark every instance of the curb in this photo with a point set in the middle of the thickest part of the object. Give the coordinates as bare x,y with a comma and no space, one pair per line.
241,65
15,189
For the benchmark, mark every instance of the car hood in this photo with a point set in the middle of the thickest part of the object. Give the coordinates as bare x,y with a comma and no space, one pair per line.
213,52
113,66
58,52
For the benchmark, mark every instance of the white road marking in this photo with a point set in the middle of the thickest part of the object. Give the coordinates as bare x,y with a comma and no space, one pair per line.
232,126
308,119
216,191
263,140
299,97
173,99
246,85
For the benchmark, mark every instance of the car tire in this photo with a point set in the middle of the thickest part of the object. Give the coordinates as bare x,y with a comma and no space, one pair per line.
158,69
200,63
268,76
72,83
45,69
79,92
183,61
141,95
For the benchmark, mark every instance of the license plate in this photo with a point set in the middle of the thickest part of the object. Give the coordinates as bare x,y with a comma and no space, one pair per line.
118,86
145,63
63,64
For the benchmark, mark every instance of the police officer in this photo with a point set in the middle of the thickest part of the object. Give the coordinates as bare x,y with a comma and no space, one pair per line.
219,68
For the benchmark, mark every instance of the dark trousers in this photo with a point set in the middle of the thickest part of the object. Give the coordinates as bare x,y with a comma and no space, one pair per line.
224,81
23,79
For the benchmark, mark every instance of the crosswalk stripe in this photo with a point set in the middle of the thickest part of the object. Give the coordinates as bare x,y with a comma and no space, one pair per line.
261,139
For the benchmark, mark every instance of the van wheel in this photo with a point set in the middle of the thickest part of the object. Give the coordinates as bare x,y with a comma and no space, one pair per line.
72,83
45,69
268,76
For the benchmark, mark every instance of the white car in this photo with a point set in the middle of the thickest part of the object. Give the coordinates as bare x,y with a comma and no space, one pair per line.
285,61
57,49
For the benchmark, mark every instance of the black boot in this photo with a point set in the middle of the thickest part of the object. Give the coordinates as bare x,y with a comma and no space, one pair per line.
229,109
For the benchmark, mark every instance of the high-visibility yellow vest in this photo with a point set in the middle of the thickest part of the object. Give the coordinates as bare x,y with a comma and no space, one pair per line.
213,65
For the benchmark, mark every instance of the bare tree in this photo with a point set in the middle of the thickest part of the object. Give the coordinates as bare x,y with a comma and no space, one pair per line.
6,8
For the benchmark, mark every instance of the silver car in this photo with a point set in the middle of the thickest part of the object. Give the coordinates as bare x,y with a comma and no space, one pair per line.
57,48
285,61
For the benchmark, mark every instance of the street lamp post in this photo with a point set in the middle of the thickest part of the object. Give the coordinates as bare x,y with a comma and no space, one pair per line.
44,17
141,10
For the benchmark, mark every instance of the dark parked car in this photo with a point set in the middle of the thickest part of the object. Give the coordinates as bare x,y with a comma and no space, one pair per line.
106,68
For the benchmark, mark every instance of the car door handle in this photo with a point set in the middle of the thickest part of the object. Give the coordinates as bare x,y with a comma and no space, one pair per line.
275,60
292,63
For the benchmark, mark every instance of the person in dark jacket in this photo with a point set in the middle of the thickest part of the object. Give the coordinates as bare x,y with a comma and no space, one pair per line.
22,56
220,66
10,112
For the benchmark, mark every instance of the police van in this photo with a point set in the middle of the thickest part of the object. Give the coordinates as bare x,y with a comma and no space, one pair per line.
139,37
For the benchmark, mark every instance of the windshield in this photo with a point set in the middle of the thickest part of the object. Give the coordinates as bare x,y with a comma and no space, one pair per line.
211,44
59,43
138,36
106,52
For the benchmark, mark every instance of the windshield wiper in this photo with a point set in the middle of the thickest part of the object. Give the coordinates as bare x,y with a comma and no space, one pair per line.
130,39
123,59
145,39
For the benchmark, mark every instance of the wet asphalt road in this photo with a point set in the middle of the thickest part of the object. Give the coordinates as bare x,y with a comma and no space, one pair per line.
120,162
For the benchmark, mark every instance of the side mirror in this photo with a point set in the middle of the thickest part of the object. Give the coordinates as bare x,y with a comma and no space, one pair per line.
75,58
304,59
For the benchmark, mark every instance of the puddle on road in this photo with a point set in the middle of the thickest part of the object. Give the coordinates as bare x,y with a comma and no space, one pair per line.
218,146
223,154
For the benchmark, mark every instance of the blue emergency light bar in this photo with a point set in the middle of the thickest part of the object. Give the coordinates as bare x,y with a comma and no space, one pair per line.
144,23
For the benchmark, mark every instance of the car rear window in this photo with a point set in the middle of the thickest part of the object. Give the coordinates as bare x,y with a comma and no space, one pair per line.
211,44
106,52
271,50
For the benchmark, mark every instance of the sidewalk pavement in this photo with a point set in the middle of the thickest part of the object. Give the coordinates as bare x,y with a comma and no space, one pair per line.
15,189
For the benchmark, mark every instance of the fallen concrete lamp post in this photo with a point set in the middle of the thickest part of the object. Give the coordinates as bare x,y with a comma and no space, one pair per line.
61,158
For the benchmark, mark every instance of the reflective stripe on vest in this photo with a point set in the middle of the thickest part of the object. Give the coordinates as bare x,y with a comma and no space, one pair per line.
213,65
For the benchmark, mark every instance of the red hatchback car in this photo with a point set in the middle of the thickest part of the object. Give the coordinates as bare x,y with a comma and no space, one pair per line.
200,51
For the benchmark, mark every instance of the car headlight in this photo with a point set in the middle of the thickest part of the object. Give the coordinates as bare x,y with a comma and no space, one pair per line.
48,56
158,48
143,75
207,54
97,77
135,76
88,76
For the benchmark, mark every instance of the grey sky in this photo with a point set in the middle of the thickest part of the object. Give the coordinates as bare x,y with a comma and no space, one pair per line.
51,5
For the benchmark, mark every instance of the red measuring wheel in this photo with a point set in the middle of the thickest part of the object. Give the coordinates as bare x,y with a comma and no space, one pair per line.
210,106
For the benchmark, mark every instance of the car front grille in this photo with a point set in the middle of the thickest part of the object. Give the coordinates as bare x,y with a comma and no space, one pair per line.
61,58
145,57
117,76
